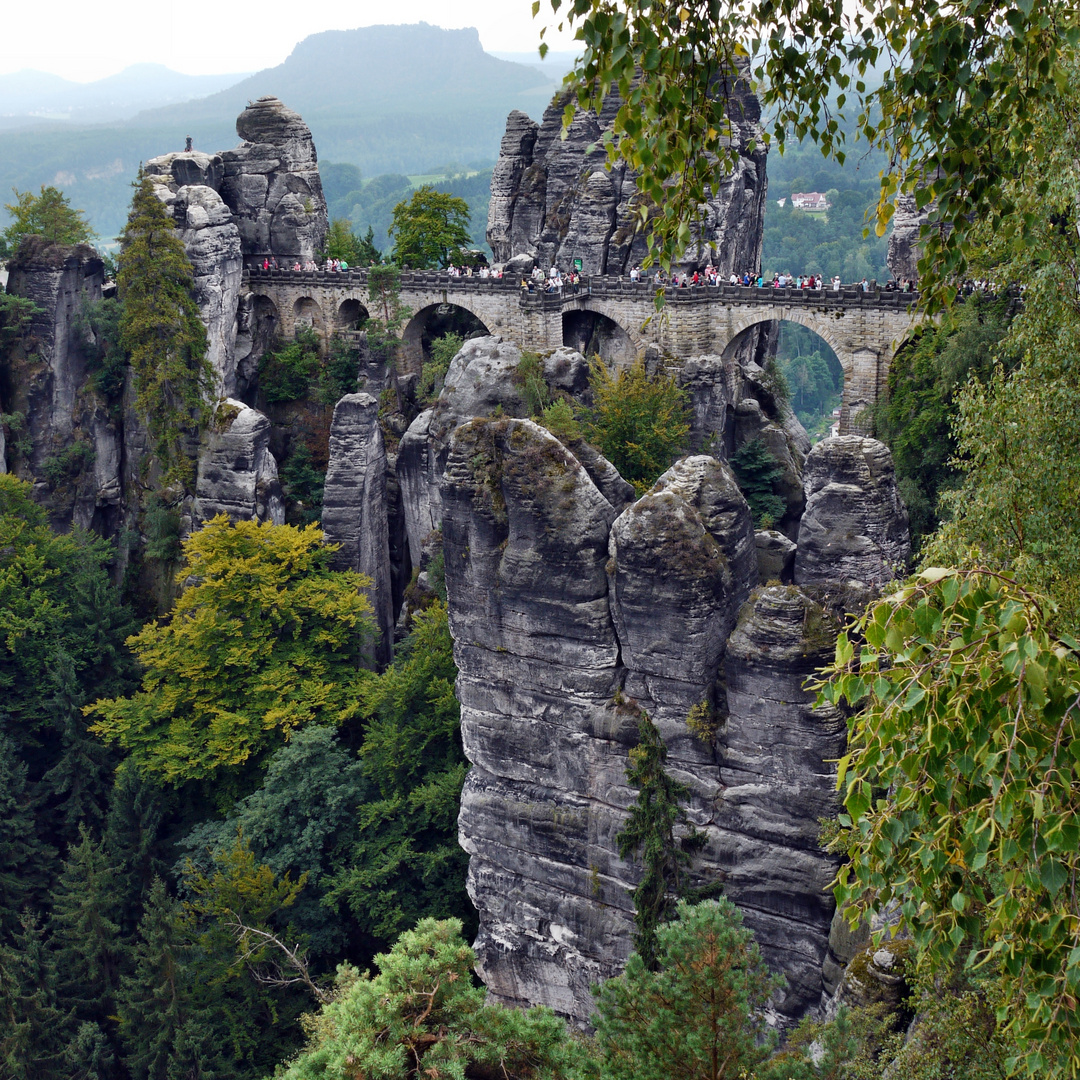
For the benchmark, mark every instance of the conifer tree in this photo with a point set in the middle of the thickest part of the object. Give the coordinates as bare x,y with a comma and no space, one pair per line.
86,937
32,1026
25,861
162,331
166,1038
650,829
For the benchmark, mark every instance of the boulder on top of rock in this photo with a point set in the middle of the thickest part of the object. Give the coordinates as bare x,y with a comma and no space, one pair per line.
272,184
186,168
855,527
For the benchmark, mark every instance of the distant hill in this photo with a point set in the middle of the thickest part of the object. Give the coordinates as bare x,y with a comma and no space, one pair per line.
388,99
28,97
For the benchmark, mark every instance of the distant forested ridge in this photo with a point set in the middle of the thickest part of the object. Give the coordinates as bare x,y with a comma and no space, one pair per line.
388,99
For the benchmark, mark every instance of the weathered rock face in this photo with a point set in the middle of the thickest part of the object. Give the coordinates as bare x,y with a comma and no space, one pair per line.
212,243
238,475
355,507
553,199
903,254
272,185
554,604
75,445
525,538
855,527
778,780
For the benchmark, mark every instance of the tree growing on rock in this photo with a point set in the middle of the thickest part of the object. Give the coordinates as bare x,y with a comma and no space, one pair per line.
49,215
162,332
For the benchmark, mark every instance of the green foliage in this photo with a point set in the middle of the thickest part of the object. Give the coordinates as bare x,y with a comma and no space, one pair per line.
68,462
266,640
639,423
16,314
161,331
443,350
960,793
106,360
915,415
757,472
954,132
1014,507
302,483
49,215
650,830
168,1037
813,377
698,1013
161,526
286,375
430,230
422,1016
388,315
529,375
559,418
405,862
55,601
337,373
341,243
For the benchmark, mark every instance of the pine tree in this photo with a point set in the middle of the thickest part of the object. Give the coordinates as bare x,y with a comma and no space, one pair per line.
32,1026
650,829
166,1038
26,863
86,937
161,330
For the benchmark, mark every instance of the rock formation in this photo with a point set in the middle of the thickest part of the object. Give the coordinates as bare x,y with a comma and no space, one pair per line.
355,507
855,527
902,257
559,609
73,443
238,475
271,183
553,200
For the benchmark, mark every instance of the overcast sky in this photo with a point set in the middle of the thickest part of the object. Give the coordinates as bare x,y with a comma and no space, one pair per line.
85,41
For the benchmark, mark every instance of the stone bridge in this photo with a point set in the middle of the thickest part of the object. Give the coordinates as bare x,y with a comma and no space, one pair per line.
864,329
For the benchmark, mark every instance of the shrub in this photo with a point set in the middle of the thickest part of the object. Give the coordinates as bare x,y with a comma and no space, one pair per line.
757,472
286,375
639,423
443,350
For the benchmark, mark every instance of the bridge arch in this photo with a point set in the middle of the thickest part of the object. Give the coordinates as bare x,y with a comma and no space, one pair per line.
593,333
351,314
308,312
629,340
432,321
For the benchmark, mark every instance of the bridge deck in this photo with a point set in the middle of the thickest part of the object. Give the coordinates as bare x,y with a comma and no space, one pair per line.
600,286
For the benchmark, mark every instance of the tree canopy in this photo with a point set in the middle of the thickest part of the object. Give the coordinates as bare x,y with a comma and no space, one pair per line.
265,639
961,793
49,215
430,230
954,111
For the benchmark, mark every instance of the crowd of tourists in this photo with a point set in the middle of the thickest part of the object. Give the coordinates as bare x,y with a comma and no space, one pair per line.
556,280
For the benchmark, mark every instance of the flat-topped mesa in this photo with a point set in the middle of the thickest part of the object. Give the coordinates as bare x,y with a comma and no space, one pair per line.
271,183
553,200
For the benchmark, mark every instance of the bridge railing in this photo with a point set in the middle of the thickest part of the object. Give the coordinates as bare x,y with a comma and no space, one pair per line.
599,286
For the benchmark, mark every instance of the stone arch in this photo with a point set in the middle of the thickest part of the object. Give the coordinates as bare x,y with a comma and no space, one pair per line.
307,312
615,314
592,332
418,331
351,314
825,328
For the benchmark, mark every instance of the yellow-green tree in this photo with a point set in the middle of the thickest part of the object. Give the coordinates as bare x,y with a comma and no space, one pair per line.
266,639
49,215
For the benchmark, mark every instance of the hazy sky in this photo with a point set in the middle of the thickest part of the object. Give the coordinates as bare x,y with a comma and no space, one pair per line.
86,41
